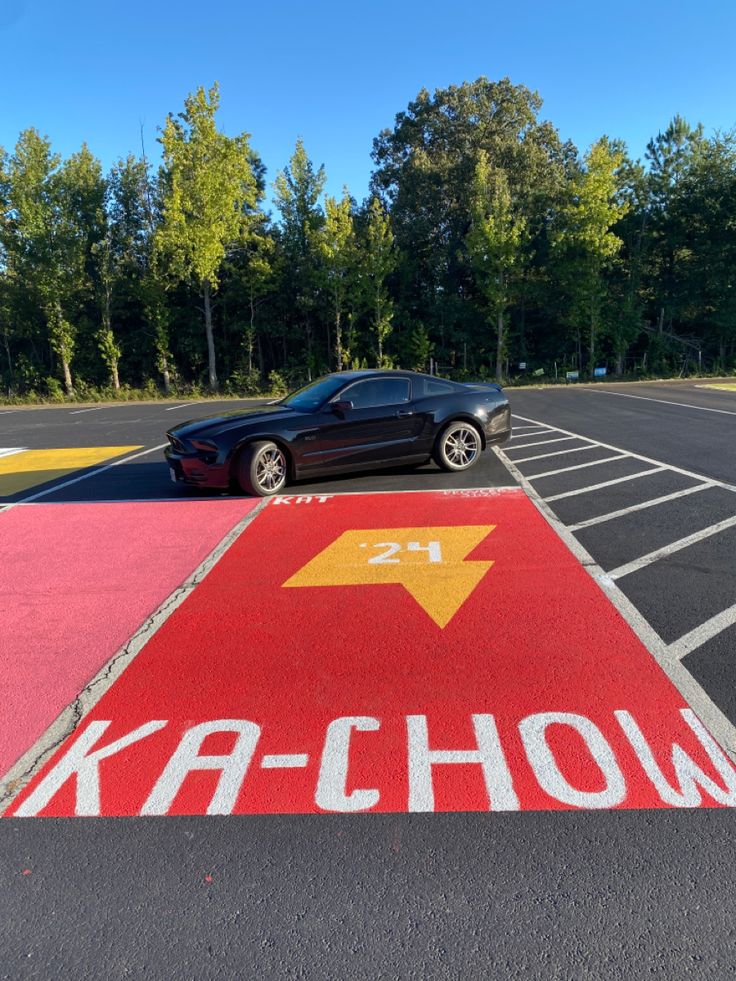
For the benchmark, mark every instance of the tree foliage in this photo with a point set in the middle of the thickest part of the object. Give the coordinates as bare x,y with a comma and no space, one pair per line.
486,240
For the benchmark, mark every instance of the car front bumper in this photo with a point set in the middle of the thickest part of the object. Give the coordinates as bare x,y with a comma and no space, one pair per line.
194,469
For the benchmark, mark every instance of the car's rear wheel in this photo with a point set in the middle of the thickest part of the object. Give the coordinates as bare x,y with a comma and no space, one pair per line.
261,469
458,446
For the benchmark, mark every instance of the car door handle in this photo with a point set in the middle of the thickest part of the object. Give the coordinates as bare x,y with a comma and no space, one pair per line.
404,413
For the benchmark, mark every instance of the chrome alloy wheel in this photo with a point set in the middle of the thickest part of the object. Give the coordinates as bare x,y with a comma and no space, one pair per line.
271,470
461,446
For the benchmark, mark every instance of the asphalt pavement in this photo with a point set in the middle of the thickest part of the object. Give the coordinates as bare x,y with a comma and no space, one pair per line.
603,894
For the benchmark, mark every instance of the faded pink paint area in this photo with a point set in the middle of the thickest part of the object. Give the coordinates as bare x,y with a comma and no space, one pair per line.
76,582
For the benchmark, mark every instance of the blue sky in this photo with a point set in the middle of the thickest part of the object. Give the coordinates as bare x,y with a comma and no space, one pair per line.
336,74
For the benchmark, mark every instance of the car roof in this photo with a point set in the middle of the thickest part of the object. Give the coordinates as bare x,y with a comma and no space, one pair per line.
373,372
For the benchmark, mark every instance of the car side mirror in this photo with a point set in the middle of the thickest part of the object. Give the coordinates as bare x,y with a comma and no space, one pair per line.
342,406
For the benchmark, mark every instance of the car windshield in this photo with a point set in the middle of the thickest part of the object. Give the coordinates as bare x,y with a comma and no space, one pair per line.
313,395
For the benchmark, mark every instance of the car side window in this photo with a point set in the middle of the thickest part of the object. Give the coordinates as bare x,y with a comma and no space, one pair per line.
436,387
374,392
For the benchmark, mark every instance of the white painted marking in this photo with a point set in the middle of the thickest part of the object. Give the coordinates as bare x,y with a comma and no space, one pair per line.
662,553
544,456
284,761
648,459
699,635
534,431
541,427
579,466
638,507
7,412
232,766
11,450
78,412
332,792
545,442
605,483
183,406
698,699
488,753
644,398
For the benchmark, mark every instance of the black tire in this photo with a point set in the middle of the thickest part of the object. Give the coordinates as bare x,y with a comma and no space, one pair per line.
458,446
261,469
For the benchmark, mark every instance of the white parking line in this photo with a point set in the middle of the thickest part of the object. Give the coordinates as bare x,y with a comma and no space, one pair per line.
705,632
638,507
579,466
546,442
183,406
644,398
534,432
78,412
604,483
662,553
11,450
645,459
540,428
693,693
544,456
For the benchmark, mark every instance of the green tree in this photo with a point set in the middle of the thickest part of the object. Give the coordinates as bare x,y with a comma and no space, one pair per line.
495,242
584,235
211,194
51,227
298,189
377,262
424,171
337,244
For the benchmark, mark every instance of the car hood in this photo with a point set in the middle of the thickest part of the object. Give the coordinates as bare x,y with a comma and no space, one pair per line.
212,426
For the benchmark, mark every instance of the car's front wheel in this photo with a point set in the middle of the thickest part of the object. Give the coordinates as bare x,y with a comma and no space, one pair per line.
261,469
458,446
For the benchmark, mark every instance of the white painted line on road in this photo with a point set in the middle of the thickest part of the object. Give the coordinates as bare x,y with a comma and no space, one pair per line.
605,483
644,398
705,632
697,698
7,412
284,761
546,442
646,459
85,476
78,412
579,466
544,456
184,405
11,450
533,432
662,553
638,507
539,429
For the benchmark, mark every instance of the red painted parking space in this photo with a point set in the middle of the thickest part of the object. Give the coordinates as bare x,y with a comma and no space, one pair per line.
76,581
409,652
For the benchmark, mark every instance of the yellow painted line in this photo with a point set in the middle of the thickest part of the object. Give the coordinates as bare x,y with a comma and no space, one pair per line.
723,388
29,468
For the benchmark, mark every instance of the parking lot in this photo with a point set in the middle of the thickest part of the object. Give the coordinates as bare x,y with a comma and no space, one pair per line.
135,610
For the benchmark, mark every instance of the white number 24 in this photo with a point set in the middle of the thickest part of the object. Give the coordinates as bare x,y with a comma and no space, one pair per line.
433,550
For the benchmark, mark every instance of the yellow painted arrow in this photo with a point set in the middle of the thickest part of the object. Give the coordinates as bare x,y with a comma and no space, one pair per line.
428,562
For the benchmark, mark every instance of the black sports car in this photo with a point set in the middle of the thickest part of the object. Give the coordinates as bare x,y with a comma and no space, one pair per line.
351,420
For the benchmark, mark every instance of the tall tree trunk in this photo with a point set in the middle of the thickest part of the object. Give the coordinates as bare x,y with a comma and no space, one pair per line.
66,368
6,340
251,332
499,348
308,327
592,336
212,369
338,339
